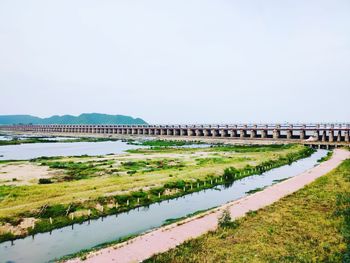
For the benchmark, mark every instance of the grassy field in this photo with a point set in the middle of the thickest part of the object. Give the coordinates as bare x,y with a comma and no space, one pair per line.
93,186
311,225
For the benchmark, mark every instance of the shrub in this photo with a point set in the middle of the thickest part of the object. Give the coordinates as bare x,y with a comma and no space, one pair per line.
225,219
121,199
139,194
230,173
54,211
45,181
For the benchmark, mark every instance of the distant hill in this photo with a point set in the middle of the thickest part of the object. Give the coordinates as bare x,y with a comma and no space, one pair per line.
85,118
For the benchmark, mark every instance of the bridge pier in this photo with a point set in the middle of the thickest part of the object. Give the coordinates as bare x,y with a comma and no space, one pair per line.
302,133
339,136
331,136
213,133
233,133
253,134
199,133
347,136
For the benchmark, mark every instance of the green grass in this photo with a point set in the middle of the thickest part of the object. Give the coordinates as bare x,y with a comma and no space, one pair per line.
311,225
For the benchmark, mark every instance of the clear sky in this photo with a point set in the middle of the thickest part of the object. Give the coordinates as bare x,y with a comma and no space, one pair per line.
183,61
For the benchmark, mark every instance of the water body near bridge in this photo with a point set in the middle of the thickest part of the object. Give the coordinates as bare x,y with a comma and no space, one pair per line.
49,246
34,150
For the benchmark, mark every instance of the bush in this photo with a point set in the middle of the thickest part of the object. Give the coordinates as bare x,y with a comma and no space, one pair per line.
139,194
45,181
225,219
230,173
121,199
54,211
177,184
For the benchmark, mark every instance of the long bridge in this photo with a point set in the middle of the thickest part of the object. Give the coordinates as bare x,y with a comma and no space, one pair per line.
324,133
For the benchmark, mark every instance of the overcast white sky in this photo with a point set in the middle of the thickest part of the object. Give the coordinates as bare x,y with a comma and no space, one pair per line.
184,61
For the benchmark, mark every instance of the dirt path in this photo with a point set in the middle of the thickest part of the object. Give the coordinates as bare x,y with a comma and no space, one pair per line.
165,238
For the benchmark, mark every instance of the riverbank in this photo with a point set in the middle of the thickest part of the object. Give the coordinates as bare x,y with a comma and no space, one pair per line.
163,239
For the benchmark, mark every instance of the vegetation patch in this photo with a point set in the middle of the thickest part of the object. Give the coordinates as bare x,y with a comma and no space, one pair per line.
326,158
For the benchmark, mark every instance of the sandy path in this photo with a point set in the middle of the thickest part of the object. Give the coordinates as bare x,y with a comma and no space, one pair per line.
165,238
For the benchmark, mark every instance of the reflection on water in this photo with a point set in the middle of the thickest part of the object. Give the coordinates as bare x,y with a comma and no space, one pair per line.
47,246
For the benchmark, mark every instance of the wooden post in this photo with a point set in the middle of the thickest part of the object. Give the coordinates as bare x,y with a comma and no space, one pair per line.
127,202
89,212
50,220
138,200
184,188
159,194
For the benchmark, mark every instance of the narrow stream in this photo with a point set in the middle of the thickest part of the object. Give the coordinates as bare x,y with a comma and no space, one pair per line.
48,246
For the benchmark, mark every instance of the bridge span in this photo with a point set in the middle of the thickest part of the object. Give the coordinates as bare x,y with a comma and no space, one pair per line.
324,133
